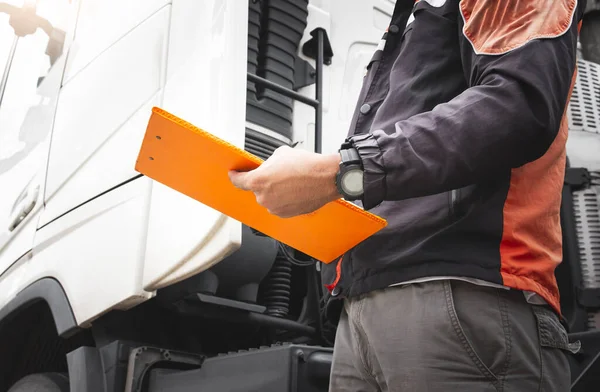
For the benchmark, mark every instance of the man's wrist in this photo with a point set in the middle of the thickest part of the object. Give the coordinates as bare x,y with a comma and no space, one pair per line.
330,168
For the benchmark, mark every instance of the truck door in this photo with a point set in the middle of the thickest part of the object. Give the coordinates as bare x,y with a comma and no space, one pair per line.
32,47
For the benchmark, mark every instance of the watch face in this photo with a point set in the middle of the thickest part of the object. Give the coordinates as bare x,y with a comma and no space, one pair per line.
352,182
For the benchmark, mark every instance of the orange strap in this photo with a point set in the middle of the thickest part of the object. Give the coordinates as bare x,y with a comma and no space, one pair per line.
338,275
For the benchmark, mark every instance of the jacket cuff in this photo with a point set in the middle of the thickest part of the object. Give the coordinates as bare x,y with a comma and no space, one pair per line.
373,167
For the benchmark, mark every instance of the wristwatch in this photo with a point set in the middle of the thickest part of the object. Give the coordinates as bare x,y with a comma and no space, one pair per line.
349,178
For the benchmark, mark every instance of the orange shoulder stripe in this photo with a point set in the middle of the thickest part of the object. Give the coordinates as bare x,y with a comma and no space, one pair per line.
496,27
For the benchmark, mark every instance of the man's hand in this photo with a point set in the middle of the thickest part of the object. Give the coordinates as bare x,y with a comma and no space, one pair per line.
291,182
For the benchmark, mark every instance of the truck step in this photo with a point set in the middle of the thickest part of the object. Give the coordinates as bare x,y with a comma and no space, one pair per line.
282,368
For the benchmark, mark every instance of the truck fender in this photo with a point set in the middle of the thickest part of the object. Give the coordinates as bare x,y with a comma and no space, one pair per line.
50,291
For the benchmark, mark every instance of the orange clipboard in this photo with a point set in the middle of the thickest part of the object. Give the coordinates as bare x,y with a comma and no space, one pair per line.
196,163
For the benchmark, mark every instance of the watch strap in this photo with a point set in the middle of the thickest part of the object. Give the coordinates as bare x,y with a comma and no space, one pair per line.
350,156
350,159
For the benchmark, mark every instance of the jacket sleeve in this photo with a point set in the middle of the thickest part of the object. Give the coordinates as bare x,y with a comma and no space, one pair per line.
519,80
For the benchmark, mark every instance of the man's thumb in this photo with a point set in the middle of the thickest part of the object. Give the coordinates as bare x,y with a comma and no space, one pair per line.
240,179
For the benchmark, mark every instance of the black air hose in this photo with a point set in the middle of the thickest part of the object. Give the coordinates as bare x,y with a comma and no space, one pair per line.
277,288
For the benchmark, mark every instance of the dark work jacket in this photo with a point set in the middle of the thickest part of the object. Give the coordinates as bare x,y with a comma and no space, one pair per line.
461,128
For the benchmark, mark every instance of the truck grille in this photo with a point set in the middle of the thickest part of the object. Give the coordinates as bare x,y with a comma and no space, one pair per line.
275,28
261,145
584,107
586,204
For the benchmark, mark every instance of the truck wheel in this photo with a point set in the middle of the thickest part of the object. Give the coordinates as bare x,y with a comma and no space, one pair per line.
42,382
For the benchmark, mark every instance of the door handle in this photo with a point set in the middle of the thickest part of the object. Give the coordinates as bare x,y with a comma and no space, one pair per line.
27,205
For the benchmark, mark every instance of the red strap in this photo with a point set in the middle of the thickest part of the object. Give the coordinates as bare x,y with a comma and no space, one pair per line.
338,275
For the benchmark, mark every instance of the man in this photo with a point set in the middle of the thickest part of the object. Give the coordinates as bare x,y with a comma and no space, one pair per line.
459,136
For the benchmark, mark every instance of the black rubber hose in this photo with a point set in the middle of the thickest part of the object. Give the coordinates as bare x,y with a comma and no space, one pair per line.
278,287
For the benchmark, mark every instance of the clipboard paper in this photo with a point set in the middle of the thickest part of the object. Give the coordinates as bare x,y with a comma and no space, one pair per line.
196,163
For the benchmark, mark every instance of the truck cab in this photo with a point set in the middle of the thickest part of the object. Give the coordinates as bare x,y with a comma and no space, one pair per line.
110,281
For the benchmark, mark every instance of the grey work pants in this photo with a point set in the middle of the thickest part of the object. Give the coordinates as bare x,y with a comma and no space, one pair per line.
448,336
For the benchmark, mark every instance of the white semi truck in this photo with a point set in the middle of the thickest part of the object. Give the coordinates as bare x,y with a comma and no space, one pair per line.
112,282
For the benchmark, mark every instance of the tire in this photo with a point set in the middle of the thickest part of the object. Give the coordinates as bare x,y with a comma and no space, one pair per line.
42,382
